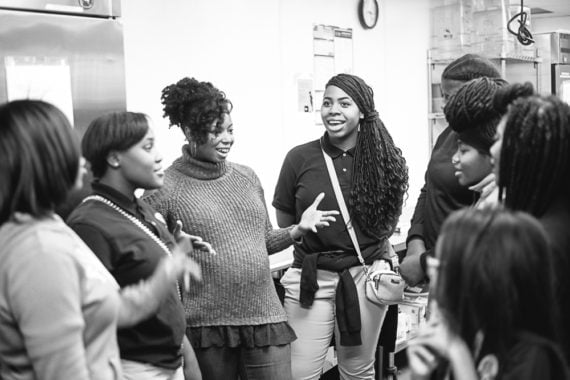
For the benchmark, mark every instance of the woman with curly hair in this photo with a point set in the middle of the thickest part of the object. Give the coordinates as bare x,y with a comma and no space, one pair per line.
326,278
235,321
532,163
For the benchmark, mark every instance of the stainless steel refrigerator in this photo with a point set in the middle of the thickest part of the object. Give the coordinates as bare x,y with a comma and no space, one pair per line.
68,52
554,48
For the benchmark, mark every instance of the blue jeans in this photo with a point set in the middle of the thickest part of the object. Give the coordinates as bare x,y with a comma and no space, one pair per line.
259,363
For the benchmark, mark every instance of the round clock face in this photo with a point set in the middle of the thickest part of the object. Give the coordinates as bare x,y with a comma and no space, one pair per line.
369,13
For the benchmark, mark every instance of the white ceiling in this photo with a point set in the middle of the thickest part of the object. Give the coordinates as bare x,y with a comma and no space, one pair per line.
559,8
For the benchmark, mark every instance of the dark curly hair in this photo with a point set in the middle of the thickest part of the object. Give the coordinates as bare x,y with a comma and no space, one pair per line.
380,175
470,112
194,105
534,159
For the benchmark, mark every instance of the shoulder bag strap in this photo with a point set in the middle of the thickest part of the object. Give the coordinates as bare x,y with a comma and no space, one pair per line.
343,209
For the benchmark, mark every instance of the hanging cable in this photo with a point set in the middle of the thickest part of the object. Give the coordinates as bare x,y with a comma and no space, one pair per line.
523,34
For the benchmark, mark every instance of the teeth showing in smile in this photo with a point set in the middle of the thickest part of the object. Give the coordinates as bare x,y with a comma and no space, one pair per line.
335,122
223,150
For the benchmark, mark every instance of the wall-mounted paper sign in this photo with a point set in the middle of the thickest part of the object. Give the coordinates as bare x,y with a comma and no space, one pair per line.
343,51
42,78
305,95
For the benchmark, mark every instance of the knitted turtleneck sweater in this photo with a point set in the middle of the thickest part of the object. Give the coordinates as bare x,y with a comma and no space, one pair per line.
224,204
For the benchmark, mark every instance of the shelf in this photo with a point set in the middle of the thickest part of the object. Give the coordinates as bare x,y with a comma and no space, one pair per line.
505,56
436,115
515,66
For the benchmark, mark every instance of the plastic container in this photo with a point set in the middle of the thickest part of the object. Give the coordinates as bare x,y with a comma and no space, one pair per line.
491,36
476,26
451,24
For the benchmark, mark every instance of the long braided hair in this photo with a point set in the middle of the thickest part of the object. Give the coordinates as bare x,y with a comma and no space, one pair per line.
380,174
471,114
535,154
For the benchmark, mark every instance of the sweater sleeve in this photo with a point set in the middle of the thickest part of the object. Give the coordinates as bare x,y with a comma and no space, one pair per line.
45,295
275,239
159,200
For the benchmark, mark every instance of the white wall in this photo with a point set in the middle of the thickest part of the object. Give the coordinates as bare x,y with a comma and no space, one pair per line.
254,50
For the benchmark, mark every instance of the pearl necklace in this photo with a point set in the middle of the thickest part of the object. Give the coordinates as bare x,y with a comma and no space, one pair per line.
136,222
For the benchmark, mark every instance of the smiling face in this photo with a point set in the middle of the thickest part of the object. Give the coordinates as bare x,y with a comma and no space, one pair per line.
496,147
341,117
218,143
141,164
471,166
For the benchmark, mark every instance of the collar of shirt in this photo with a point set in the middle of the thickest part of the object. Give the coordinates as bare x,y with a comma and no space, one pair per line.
332,150
118,198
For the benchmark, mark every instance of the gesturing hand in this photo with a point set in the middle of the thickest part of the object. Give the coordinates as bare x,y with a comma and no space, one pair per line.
313,218
191,242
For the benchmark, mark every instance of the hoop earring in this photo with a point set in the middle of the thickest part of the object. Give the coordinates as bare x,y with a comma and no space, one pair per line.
193,148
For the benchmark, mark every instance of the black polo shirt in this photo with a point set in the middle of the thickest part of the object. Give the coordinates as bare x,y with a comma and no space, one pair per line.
131,256
442,194
303,176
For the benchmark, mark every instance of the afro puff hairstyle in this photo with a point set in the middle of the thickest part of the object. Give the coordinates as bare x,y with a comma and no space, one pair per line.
194,106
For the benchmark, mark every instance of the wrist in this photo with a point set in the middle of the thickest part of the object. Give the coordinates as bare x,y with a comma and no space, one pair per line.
297,233
457,349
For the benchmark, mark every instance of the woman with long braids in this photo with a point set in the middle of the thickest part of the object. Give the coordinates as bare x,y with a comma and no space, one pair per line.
532,163
326,278
472,116
235,320
441,193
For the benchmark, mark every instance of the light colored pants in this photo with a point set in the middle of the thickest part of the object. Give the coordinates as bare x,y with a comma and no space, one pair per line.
143,371
314,327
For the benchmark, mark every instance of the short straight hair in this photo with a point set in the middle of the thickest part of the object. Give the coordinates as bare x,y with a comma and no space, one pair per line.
496,276
117,131
39,158
470,66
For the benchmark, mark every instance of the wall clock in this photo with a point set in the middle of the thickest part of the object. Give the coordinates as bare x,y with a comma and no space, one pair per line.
368,12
